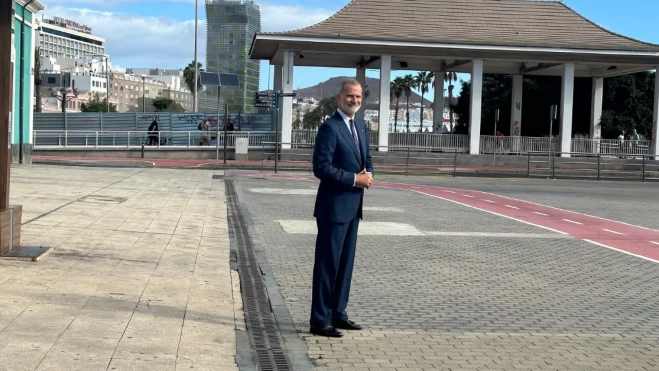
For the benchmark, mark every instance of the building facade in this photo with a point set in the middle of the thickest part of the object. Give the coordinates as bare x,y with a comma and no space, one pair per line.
23,41
231,26
131,90
63,38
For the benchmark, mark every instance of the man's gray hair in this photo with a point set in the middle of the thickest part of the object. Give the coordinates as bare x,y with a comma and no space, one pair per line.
349,81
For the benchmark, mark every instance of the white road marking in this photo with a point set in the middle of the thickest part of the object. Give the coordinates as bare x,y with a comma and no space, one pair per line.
448,191
387,209
622,251
535,212
656,243
614,232
572,221
470,196
365,228
487,234
285,191
513,207
490,201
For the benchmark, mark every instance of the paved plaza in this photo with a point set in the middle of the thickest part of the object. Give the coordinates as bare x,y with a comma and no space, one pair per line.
141,276
494,294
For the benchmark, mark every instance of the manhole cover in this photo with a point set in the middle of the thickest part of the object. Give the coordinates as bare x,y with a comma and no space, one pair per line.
102,199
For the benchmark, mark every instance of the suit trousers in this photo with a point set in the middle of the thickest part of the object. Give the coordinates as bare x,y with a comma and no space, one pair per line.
332,272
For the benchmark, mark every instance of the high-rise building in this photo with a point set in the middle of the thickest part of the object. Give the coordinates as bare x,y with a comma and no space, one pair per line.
63,38
231,26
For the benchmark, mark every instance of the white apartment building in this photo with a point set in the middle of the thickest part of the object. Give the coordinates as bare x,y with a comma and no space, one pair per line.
86,74
63,38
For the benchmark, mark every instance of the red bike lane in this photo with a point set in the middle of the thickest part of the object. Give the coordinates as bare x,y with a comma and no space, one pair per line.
631,239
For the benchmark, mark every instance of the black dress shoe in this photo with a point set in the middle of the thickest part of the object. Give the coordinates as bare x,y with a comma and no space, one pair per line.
346,325
328,331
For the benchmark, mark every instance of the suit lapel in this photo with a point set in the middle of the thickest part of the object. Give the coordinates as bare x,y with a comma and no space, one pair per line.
347,135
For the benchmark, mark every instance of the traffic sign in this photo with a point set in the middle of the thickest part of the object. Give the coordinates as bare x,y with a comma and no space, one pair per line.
287,94
262,105
261,94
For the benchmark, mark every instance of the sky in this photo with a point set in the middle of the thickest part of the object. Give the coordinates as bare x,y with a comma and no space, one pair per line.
160,33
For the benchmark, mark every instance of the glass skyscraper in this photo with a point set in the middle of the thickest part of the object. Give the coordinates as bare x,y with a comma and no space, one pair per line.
231,26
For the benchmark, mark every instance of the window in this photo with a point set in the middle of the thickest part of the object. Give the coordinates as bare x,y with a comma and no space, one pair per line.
51,80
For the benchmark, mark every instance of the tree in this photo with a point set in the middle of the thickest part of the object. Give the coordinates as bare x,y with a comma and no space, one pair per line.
423,79
189,76
96,104
160,104
450,77
397,91
297,124
627,104
37,79
408,85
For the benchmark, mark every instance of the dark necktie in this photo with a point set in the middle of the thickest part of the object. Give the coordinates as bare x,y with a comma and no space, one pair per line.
355,137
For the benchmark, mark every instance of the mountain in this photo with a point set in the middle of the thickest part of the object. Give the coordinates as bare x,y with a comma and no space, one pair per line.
331,87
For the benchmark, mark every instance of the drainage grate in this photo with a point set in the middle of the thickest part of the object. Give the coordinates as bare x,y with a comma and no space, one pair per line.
103,199
266,341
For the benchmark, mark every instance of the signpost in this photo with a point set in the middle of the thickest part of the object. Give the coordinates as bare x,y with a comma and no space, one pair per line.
553,115
263,100
496,138
220,80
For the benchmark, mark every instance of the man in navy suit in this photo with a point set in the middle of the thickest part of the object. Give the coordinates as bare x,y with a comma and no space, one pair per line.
342,162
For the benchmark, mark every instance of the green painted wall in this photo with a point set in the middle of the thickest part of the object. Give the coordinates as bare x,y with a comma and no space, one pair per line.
27,75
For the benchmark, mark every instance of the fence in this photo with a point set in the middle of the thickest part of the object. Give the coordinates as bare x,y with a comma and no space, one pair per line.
138,121
172,139
427,141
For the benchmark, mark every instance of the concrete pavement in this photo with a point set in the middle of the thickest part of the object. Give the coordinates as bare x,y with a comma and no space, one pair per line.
139,278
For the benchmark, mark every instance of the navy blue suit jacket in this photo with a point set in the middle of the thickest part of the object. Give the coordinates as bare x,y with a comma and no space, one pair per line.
335,162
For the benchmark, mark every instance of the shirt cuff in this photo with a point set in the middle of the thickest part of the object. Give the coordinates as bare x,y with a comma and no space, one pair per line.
354,182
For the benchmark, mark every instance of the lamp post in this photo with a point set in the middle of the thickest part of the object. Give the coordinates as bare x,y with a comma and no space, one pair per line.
143,94
196,65
64,98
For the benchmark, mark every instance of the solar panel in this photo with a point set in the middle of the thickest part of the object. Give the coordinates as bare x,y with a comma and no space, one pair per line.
209,78
229,80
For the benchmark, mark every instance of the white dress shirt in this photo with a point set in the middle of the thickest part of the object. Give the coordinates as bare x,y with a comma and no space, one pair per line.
347,119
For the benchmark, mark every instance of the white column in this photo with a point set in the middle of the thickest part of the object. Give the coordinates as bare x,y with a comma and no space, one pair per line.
438,103
361,77
566,108
655,116
383,113
475,106
516,109
286,106
596,108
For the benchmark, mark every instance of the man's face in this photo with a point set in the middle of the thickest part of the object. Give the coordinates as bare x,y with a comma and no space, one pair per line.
350,99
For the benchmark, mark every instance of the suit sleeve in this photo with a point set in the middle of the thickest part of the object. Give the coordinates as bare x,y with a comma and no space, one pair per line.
323,153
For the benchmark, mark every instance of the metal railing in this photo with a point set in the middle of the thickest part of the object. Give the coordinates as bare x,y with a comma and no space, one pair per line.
45,139
406,160
577,165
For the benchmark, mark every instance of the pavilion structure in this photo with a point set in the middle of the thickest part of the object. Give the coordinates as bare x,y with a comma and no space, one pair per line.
514,37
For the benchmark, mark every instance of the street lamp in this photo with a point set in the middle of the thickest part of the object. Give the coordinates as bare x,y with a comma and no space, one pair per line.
107,78
63,98
143,96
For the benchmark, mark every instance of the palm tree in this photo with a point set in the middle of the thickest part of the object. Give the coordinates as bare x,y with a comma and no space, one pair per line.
397,91
423,79
366,93
450,77
189,76
37,79
408,85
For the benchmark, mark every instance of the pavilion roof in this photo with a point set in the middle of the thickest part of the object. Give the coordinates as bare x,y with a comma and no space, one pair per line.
517,23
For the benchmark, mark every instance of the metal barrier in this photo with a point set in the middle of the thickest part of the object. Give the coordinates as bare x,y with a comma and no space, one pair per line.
47,139
592,166
398,159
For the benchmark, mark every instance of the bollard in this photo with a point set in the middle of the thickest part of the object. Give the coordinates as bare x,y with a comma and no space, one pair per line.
142,150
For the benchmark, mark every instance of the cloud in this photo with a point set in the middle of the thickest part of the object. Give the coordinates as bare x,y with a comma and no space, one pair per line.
136,40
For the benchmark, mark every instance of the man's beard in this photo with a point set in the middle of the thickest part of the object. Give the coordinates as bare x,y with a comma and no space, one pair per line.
352,109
